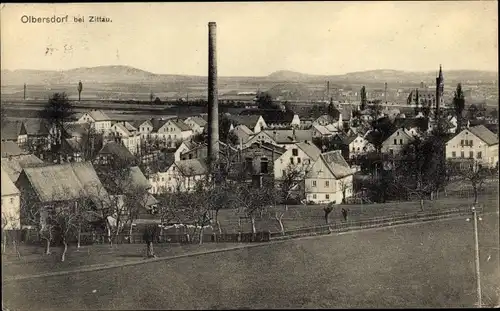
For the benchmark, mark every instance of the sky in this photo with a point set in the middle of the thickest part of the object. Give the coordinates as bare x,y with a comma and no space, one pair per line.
256,39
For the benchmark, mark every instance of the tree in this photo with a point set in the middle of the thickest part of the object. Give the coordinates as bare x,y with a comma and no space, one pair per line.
472,172
157,101
135,199
57,112
293,177
65,220
80,88
494,113
344,187
150,235
92,141
252,201
363,98
459,105
265,101
151,97
472,112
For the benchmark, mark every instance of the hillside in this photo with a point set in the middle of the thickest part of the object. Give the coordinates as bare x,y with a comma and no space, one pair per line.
131,75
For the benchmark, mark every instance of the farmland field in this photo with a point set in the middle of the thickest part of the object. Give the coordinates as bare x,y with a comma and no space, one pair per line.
423,265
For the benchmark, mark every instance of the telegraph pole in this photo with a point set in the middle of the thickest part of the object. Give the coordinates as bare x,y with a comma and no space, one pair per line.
476,254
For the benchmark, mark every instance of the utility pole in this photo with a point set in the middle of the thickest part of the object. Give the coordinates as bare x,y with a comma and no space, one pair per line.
476,254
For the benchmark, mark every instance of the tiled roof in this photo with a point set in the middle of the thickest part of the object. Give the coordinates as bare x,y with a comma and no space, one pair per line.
14,166
98,115
8,187
36,127
118,150
10,148
484,134
192,167
181,125
337,163
249,121
64,182
287,136
12,129
198,120
310,149
322,129
76,129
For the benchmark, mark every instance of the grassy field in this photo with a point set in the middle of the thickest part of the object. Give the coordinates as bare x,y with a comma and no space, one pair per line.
424,265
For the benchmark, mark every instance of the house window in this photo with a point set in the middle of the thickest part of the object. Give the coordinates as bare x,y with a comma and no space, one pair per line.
470,143
391,151
264,166
314,183
190,156
327,196
314,196
295,152
327,183
471,154
291,160
400,141
453,154
462,142
11,200
462,154
395,141
397,134
479,155
284,172
248,164
298,160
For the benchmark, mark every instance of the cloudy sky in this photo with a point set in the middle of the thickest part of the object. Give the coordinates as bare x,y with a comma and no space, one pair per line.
256,38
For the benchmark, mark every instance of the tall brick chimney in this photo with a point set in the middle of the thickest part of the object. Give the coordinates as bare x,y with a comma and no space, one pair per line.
213,104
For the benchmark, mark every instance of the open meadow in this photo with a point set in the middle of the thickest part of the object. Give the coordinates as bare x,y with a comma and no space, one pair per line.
421,265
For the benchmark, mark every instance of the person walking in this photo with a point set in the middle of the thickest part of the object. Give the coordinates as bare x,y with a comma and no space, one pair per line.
344,214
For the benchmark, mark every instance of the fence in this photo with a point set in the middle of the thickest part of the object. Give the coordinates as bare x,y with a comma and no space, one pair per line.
370,223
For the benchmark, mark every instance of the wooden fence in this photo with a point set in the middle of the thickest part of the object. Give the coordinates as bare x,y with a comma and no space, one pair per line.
370,223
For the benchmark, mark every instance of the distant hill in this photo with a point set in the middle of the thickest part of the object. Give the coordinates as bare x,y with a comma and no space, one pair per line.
126,74
389,76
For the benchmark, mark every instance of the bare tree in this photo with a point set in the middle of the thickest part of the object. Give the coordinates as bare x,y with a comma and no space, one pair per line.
344,187
472,172
65,219
135,199
252,200
9,222
80,88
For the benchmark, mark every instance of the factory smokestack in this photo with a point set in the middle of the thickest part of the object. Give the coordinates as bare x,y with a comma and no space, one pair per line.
213,105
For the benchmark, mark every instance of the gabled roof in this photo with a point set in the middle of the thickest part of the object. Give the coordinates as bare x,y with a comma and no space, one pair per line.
72,144
14,166
249,121
349,139
130,127
8,187
484,134
197,120
180,124
118,150
322,129
64,182
403,131
272,147
137,123
337,163
36,127
191,167
242,132
122,128
326,118
76,129
98,115
310,149
287,136
11,149
12,129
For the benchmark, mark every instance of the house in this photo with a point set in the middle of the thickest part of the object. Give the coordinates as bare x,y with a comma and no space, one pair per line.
14,165
325,120
475,142
184,147
11,149
298,155
396,141
112,152
77,131
259,158
196,123
329,179
415,127
129,185
180,176
359,145
14,131
282,137
73,150
321,130
99,120
46,187
128,136
174,131
255,123
11,204
243,133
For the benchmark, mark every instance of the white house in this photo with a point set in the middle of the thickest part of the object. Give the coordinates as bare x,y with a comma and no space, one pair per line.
99,120
359,145
196,123
130,137
299,155
254,122
329,180
474,143
181,176
174,131
184,147
320,130
396,141
11,208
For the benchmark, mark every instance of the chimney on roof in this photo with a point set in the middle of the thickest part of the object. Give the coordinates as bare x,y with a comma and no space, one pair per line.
213,105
